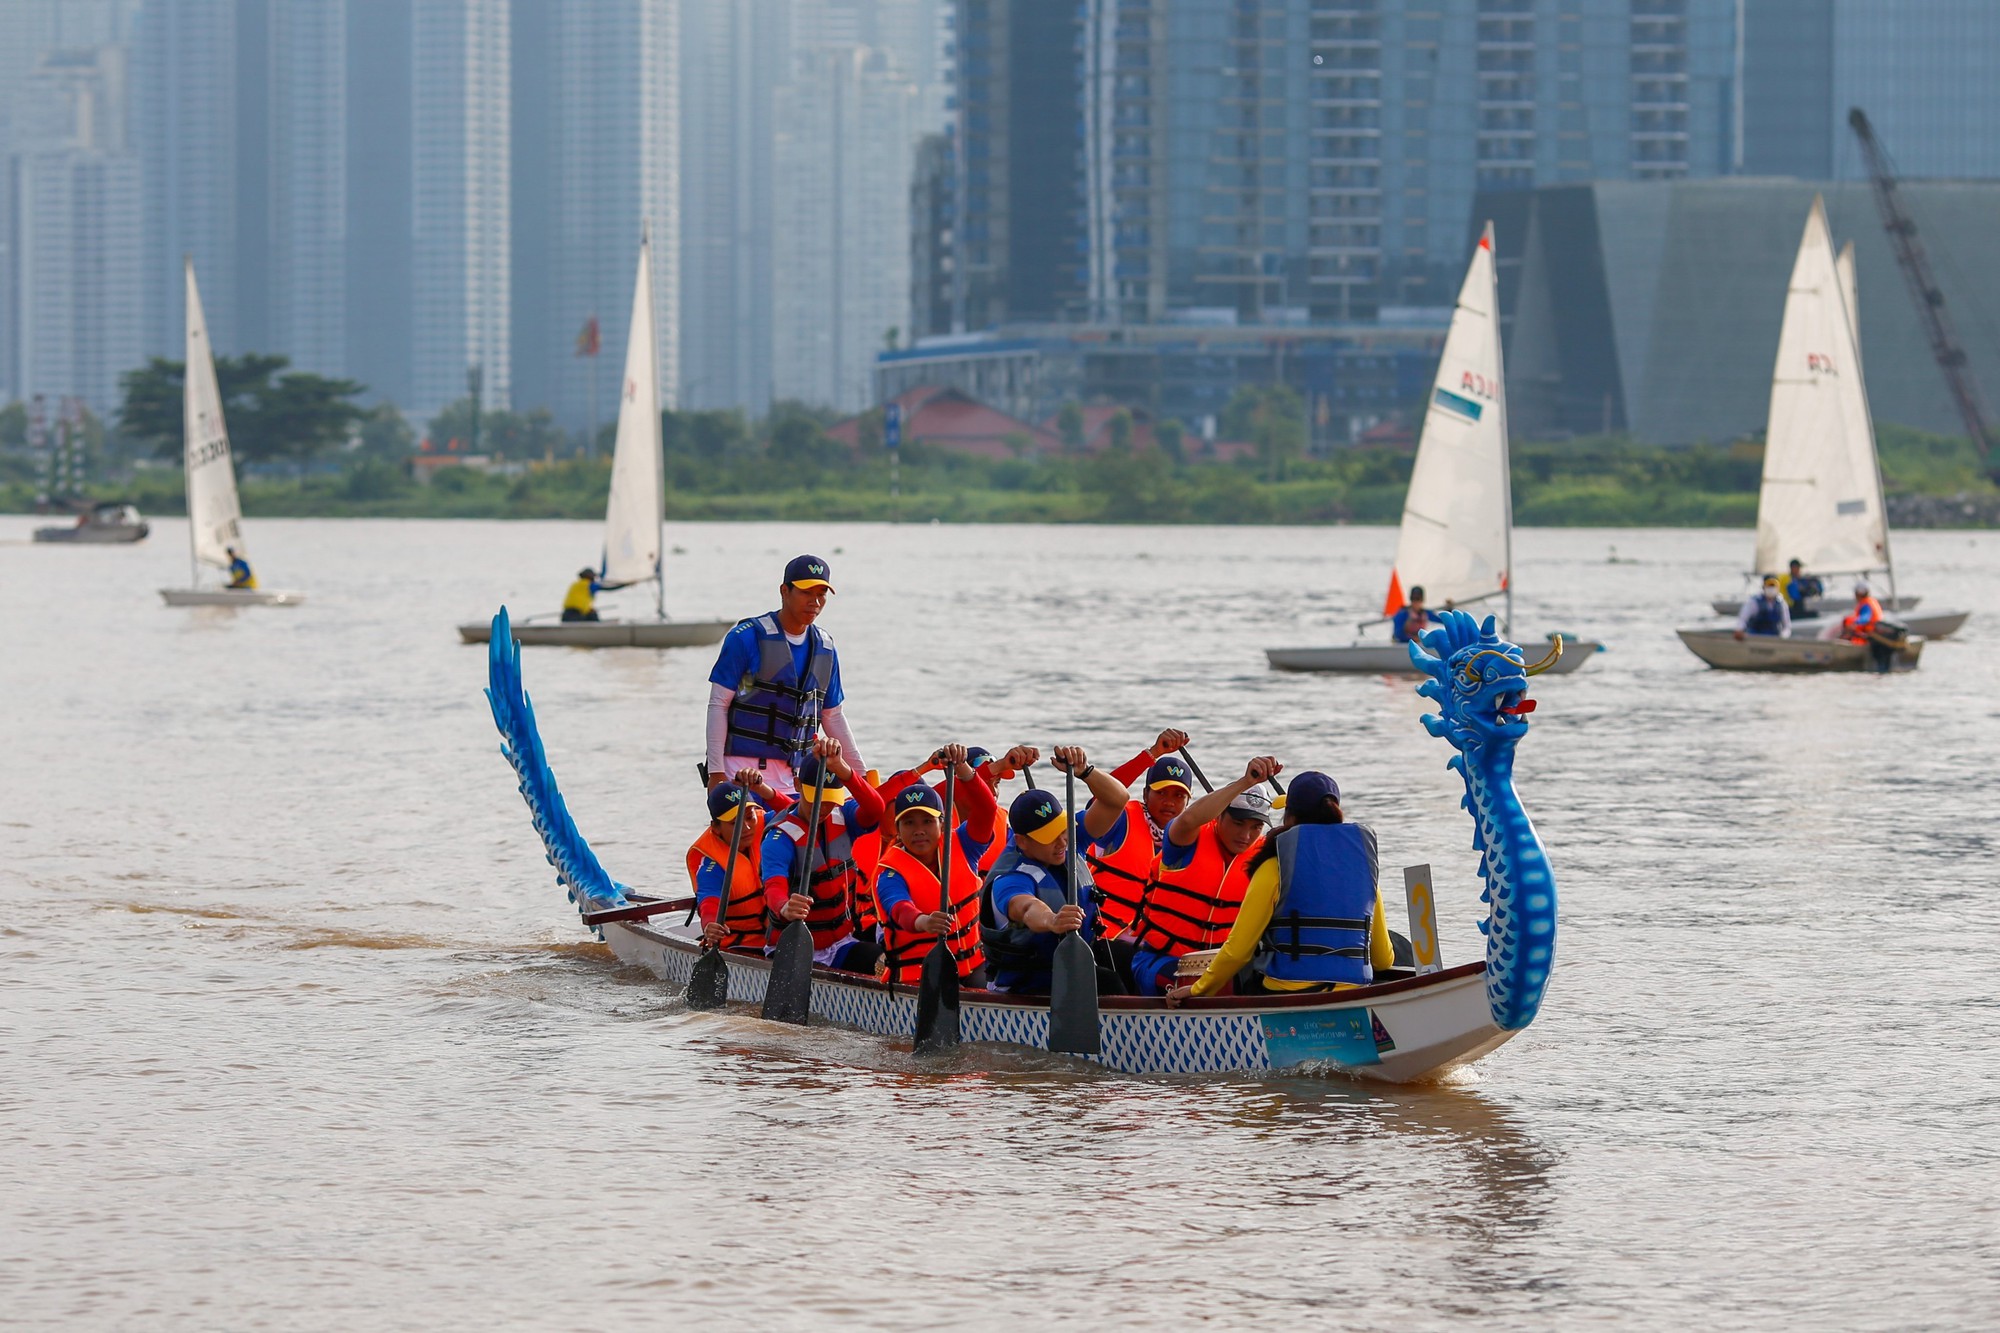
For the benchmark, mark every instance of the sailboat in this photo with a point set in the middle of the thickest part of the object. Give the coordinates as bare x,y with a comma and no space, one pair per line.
1821,498
1457,538
215,517
634,514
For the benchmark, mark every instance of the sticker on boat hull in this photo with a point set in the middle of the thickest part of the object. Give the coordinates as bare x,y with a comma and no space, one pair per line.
1342,1037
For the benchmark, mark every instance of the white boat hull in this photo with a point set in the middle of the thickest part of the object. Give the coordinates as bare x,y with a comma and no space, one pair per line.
607,633
1393,659
95,534
1400,1031
1721,648
230,597
1928,625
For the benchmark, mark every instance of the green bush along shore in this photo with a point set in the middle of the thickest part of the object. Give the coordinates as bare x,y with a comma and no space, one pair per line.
720,467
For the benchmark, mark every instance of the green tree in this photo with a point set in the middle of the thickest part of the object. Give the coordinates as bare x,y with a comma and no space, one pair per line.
1272,417
14,425
1069,425
1172,436
1120,428
386,435
300,417
270,415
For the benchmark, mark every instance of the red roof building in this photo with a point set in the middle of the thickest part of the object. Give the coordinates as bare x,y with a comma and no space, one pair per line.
945,418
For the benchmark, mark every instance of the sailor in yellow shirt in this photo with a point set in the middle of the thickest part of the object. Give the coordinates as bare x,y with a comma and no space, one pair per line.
1312,915
580,602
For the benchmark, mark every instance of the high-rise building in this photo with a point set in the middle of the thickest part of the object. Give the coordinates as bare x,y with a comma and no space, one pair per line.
597,126
1922,72
378,207
845,139
460,162
70,300
1282,161
933,204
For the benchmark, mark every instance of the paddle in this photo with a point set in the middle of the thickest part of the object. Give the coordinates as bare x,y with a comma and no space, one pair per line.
1073,1020
1202,777
937,987
708,984
788,997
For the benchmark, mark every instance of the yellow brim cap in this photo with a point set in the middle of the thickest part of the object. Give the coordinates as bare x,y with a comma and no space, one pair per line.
1170,782
813,583
835,794
1050,831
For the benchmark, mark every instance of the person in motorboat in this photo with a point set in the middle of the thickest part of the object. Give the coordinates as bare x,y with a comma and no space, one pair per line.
826,897
1411,619
1802,590
1203,873
909,883
1765,614
1029,903
1123,861
735,918
580,602
1312,912
1861,624
240,573
776,684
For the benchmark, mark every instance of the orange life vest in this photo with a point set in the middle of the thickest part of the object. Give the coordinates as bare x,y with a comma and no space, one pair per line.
743,912
832,884
1853,629
1123,873
1195,907
867,860
905,950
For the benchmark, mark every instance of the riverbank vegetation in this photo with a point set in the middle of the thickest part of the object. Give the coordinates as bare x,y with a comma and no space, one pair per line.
722,467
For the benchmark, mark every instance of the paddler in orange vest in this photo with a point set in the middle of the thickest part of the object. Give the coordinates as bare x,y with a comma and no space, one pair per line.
991,772
734,919
909,879
1866,617
1203,873
1123,864
827,898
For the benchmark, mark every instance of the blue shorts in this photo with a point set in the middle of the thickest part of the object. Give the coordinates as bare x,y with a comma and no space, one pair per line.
1153,973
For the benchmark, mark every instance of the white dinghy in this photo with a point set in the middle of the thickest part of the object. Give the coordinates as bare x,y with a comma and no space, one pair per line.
1457,538
1821,498
634,514
215,517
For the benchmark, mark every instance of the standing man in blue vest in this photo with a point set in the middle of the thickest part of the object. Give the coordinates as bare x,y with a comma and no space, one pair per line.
776,685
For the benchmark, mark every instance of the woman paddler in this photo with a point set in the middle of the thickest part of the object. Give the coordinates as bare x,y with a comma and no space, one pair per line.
909,887
1312,914
735,918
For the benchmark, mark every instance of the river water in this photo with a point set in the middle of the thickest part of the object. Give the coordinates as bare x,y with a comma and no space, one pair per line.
297,1032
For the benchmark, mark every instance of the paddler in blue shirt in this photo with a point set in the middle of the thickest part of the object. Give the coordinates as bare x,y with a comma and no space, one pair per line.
240,575
1030,904
1412,619
776,684
739,920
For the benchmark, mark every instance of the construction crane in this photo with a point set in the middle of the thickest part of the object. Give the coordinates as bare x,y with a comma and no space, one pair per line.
1924,289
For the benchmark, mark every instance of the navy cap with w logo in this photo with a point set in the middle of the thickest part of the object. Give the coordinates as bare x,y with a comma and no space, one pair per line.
809,571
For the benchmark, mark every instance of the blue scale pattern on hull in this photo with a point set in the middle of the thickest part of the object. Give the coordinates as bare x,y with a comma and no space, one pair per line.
1478,681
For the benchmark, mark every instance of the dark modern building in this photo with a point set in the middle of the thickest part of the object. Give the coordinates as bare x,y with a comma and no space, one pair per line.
1654,307
933,208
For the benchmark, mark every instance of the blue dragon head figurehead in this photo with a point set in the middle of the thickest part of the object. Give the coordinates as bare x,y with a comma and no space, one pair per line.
1479,683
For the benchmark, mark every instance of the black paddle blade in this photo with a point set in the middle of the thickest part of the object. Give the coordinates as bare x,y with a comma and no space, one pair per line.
937,1002
708,984
1073,999
788,999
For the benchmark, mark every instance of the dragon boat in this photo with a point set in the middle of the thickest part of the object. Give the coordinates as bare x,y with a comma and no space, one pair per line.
1409,1025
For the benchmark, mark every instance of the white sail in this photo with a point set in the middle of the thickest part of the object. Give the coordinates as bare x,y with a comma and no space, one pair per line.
632,514
214,516
1821,500
1845,267
1458,514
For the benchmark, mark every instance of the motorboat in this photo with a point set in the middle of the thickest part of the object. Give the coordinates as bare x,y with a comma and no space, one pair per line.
107,523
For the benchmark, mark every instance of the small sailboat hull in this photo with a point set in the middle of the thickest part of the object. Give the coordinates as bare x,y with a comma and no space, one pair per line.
230,597
1729,606
1720,648
1393,659
1928,625
607,633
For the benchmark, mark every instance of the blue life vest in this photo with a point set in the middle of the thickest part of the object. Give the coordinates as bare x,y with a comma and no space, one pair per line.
775,714
1764,615
1016,953
1326,904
